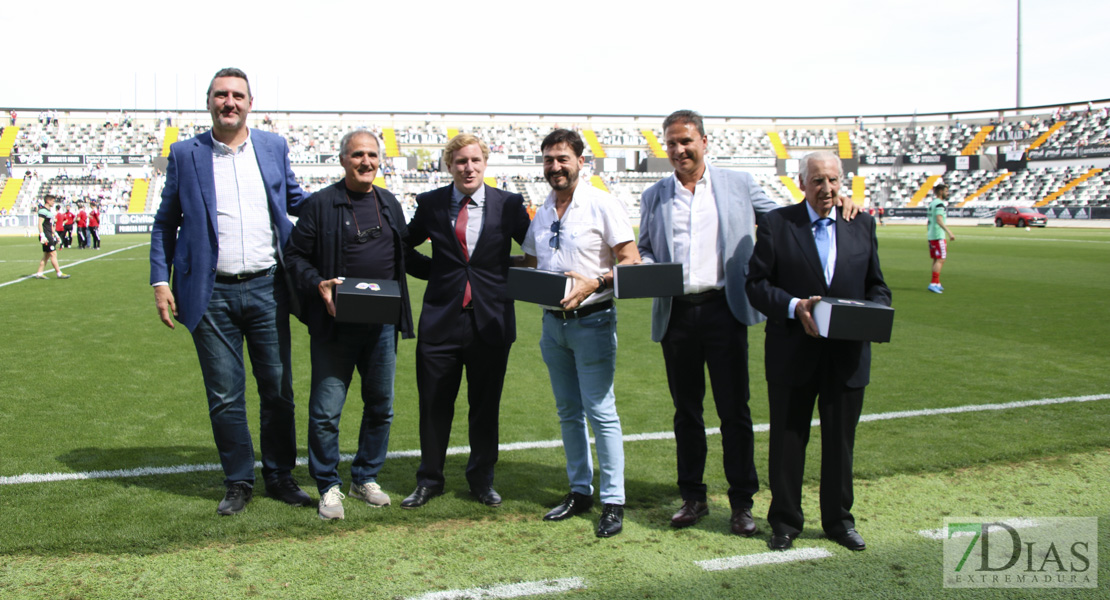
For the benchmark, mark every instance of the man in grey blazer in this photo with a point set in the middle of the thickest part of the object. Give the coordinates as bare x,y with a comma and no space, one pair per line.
704,218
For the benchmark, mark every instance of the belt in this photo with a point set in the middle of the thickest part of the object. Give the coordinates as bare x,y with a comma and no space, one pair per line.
581,312
241,277
701,298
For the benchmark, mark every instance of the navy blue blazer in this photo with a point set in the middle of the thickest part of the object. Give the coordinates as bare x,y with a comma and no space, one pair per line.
785,265
487,270
183,240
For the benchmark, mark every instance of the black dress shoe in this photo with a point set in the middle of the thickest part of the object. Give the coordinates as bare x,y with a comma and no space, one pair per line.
420,496
851,540
611,521
689,513
488,497
289,492
781,541
236,498
573,504
742,522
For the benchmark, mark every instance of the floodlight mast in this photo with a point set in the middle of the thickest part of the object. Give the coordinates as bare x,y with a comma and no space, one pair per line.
1018,105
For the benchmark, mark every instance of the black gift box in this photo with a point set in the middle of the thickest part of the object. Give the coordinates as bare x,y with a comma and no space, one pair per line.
368,301
860,320
539,287
652,280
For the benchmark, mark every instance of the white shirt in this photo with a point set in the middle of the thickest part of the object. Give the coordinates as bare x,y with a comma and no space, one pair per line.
475,212
830,268
697,235
593,223
245,230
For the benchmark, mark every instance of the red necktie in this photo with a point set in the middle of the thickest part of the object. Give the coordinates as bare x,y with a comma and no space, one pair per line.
460,233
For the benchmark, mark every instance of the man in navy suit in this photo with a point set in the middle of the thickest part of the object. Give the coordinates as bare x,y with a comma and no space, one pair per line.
219,233
804,252
467,319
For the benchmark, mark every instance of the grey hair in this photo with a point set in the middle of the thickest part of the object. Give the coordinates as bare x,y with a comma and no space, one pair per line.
803,166
350,135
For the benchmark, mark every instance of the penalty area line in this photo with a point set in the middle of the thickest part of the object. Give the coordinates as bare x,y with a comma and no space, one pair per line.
512,590
542,444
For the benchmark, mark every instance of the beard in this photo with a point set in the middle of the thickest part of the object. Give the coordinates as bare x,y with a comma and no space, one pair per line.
566,184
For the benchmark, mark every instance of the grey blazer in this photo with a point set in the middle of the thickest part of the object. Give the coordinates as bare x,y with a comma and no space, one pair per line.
740,201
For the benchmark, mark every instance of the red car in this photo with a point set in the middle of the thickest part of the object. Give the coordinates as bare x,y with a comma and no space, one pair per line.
1019,216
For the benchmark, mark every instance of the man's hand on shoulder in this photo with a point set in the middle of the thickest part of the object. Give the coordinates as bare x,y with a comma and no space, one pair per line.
848,208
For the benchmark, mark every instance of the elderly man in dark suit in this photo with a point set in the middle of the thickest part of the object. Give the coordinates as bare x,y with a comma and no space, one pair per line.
467,319
804,252
219,232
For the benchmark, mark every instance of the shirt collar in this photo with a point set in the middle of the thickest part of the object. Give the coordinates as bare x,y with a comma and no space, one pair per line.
223,149
705,178
478,197
813,216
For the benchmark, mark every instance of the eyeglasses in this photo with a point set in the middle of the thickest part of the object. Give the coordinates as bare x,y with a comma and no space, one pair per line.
554,241
366,235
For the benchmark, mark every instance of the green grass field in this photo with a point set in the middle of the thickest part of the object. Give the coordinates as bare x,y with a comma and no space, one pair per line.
90,380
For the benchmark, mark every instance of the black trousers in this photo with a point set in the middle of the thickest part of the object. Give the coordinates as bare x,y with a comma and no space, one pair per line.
700,336
791,413
439,369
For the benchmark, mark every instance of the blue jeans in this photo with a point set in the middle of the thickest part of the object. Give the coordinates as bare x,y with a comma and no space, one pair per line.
581,358
371,348
256,310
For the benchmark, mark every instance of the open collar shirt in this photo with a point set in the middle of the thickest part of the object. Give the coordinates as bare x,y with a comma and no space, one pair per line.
246,233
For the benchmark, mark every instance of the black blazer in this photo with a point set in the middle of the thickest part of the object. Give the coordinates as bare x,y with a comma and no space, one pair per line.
315,253
785,265
505,220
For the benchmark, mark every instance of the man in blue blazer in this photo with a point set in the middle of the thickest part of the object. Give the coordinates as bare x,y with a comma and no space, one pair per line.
216,267
467,319
804,252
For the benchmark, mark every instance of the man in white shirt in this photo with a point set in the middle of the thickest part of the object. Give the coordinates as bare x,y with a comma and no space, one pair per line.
220,231
582,232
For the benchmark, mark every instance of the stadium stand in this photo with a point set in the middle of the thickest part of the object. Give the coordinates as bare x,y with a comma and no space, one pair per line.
1052,157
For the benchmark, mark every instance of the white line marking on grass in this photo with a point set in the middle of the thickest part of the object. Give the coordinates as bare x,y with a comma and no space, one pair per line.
765,558
456,450
938,534
512,590
74,264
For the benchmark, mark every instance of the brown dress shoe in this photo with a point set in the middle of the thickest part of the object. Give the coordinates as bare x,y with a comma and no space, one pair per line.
689,514
742,522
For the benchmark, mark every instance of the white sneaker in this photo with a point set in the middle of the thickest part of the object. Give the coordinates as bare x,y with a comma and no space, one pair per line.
935,287
371,493
331,504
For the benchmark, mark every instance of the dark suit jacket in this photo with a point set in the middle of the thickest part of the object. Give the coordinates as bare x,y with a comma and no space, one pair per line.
316,252
505,220
183,239
785,265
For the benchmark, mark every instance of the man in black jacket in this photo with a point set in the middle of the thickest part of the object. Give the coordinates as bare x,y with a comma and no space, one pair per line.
350,229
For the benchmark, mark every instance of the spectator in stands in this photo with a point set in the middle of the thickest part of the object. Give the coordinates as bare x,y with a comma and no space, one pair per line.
468,319
350,229
48,240
704,217
936,229
235,203
583,232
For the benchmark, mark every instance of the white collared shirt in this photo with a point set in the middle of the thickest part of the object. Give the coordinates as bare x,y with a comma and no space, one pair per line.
593,223
475,212
696,236
243,224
